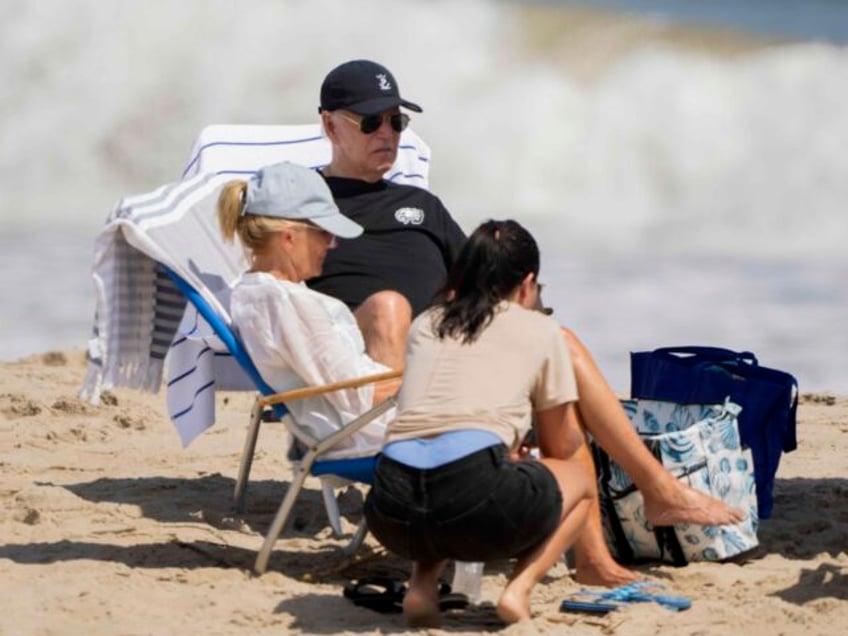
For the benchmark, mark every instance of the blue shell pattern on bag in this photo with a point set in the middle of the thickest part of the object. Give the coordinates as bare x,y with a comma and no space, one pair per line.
701,442
631,510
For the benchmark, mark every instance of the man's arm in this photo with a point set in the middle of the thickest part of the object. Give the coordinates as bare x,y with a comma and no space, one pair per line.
453,238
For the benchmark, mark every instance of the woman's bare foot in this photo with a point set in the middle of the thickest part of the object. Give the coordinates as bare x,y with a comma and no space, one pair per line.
592,560
421,608
674,503
514,604
607,573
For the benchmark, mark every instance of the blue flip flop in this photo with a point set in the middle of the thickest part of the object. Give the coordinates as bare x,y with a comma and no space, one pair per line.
601,602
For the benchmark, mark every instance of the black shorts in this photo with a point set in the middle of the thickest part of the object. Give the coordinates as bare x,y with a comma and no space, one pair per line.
477,508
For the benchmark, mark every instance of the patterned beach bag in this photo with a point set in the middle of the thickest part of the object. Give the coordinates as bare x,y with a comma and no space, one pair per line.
698,444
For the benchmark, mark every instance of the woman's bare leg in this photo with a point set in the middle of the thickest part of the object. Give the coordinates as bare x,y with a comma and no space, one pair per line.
577,493
593,562
421,601
667,501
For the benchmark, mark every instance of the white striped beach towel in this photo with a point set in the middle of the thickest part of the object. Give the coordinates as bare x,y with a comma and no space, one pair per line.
242,149
137,306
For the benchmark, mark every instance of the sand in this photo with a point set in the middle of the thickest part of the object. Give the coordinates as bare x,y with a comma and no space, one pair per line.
108,526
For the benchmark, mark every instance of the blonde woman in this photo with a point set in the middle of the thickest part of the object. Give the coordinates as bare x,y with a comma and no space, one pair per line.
286,219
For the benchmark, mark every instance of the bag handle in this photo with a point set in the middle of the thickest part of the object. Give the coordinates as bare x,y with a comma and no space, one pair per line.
715,353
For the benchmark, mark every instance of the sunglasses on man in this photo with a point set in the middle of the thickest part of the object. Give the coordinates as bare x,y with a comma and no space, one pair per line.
369,124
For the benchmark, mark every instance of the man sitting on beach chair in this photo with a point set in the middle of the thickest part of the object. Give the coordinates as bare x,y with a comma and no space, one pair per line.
392,272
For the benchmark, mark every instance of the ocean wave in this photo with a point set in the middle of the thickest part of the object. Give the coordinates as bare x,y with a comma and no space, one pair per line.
680,142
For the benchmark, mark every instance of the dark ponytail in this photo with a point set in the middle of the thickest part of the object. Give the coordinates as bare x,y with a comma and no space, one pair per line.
491,265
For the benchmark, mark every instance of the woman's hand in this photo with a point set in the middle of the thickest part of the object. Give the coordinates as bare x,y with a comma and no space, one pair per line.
522,452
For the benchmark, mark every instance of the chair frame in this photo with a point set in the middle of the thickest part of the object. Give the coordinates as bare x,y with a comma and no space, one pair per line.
354,469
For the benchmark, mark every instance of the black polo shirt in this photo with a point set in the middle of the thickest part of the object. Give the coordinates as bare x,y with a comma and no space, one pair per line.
410,241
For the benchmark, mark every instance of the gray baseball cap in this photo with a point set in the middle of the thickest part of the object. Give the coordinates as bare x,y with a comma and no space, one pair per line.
290,191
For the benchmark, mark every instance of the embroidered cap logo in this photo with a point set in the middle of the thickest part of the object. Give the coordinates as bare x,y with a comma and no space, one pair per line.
384,84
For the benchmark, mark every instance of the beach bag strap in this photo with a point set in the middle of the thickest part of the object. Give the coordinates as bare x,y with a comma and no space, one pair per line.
709,353
686,374
621,546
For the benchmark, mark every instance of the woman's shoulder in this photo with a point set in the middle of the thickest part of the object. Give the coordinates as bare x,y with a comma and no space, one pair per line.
529,318
283,300
262,284
530,325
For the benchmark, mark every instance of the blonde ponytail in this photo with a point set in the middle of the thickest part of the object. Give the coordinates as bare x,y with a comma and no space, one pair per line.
230,203
252,230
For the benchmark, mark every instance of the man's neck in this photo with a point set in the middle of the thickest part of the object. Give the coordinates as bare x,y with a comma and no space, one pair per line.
336,169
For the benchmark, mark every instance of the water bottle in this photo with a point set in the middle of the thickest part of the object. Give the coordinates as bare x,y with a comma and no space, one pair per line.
467,576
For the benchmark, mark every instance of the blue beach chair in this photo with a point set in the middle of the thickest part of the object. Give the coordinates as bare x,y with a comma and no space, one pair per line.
158,249
270,406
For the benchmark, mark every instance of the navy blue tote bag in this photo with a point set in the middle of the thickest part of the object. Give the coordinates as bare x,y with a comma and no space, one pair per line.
708,375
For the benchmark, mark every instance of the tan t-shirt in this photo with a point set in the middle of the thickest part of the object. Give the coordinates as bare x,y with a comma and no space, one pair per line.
518,364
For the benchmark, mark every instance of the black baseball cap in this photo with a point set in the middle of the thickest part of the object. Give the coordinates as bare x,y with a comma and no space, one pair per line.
364,87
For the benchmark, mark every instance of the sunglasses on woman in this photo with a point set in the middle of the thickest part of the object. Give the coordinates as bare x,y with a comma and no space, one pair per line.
371,123
545,310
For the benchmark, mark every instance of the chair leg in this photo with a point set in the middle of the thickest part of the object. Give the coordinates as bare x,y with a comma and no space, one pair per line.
247,458
299,476
331,505
302,470
357,539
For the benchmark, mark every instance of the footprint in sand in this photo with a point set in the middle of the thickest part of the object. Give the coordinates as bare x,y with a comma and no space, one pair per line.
107,398
71,406
128,421
18,405
29,516
818,398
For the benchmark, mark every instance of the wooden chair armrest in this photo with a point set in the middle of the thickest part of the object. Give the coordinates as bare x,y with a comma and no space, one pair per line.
311,391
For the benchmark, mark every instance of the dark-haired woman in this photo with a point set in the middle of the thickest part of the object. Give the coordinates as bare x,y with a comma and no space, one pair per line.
480,367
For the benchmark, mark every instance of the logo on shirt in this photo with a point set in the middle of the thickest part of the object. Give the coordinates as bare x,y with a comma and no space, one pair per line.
384,83
415,216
